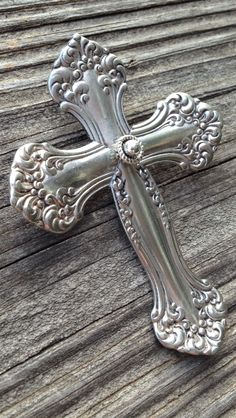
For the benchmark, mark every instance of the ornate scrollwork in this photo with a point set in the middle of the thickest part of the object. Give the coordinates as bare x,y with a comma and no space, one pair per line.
195,150
123,201
200,147
174,330
81,55
155,194
82,72
57,210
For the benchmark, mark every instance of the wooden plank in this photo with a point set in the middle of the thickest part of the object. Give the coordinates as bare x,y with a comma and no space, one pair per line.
75,334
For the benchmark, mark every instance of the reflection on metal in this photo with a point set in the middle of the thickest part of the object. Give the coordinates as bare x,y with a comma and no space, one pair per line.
51,186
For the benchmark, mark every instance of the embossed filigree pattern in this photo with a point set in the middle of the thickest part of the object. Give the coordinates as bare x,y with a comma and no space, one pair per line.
155,194
87,80
123,202
79,56
55,210
202,129
174,329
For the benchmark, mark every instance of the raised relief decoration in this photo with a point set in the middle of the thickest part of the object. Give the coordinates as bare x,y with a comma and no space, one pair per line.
51,186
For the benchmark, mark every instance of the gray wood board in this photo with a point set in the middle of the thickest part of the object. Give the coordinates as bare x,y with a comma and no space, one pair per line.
75,330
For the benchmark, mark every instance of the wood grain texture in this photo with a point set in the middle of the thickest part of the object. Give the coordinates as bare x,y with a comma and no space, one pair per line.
75,333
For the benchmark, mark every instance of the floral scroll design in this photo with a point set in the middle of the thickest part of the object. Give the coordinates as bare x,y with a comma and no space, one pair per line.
203,129
123,200
83,71
198,149
155,194
53,211
174,330
79,56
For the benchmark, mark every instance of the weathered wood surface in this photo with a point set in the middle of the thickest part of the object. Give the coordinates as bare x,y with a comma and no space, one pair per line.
76,338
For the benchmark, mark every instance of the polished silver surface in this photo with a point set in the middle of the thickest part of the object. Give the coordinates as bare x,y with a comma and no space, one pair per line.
51,186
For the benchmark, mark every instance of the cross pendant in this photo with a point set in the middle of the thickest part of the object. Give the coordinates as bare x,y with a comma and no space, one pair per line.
51,186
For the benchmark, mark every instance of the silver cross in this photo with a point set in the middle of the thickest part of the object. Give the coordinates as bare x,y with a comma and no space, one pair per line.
51,186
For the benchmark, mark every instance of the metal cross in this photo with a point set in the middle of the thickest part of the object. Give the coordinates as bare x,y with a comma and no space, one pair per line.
51,186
